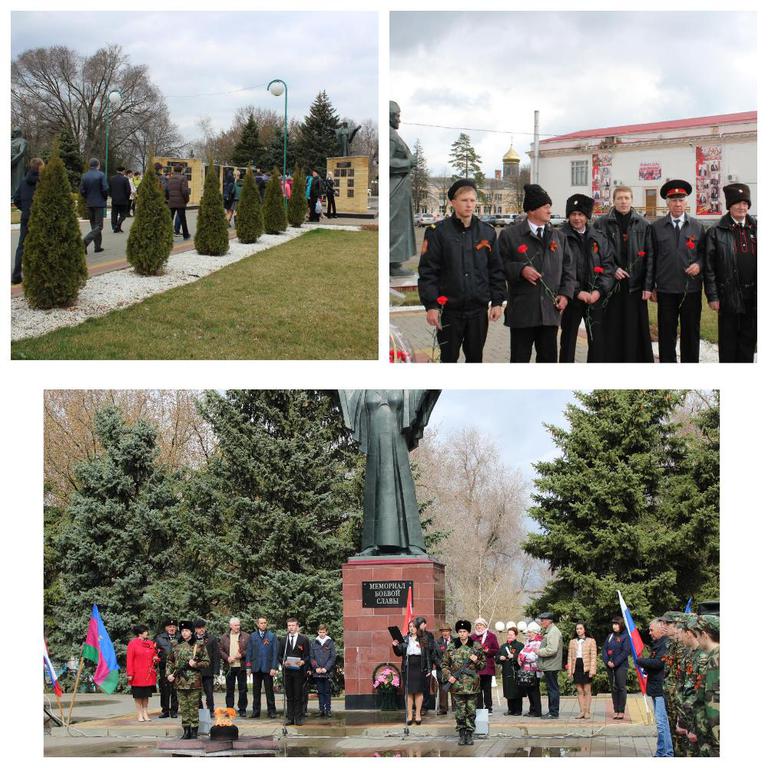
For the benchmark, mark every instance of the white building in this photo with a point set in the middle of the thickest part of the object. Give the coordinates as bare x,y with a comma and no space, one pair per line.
709,152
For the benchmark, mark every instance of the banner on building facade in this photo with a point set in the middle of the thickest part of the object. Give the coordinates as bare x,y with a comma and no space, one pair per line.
650,171
602,163
708,164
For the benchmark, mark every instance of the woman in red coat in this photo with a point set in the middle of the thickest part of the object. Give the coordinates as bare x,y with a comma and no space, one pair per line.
490,644
141,668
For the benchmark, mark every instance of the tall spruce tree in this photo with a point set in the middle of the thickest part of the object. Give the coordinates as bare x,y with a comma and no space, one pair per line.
54,265
69,152
275,216
250,218
317,135
119,544
466,162
150,240
272,153
285,491
212,234
420,175
609,510
297,203
248,150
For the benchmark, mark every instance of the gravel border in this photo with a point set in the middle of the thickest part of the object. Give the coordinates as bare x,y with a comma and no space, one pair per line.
122,288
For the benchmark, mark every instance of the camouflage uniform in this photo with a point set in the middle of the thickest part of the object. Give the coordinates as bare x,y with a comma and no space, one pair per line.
673,682
708,716
456,663
692,695
187,679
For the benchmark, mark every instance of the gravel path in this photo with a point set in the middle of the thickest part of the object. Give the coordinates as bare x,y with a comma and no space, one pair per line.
115,290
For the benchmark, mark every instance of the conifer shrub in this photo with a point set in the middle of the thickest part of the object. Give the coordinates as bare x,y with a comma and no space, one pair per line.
212,235
297,203
54,265
275,219
250,218
151,238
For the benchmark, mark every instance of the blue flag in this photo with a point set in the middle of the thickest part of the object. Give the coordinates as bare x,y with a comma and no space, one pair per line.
689,606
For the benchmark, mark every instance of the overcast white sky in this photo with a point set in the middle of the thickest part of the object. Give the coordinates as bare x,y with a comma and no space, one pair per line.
191,53
579,69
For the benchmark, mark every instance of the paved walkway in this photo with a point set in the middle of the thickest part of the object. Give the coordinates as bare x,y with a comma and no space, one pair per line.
106,725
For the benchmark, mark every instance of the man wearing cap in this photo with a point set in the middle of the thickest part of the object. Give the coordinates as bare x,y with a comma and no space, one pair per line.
187,661
674,275
551,662
441,646
693,690
674,673
460,667
460,274
207,674
541,275
707,713
593,256
627,333
655,666
730,277
166,642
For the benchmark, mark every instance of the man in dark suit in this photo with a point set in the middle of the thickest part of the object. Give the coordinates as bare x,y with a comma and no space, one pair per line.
208,673
262,657
93,187
120,192
294,656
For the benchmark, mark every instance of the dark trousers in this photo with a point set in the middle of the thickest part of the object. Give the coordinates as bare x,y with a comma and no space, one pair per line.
522,341
294,694
737,334
331,205
627,333
618,680
169,701
119,215
182,214
96,217
685,308
463,330
553,693
515,706
269,690
237,675
484,698
313,215
534,699
324,693
592,314
443,701
208,691
16,274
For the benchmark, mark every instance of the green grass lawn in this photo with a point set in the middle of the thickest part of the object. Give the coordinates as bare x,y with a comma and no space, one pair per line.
708,321
314,297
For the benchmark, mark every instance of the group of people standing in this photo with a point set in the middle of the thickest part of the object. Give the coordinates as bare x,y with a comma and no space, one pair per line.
602,273
184,659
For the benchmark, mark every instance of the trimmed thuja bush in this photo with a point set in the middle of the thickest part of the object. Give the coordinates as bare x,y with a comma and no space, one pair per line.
250,219
212,236
297,204
54,257
151,238
275,220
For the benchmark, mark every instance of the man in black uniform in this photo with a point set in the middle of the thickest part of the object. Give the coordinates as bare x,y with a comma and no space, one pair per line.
166,642
460,273
593,254
730,277
673,275
293,653
120,192
208,673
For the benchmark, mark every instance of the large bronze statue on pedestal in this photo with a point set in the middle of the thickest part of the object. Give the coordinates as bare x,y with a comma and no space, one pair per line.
388,423
19,151
402,238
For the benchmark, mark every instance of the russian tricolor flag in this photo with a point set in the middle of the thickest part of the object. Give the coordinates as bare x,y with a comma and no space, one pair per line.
635,642
52,676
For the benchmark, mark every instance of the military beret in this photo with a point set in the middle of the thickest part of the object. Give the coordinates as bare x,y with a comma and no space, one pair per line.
187,625
458,184
463,624
737,193
709,623
546,615
675,188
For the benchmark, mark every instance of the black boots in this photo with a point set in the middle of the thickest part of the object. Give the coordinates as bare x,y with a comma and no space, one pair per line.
187,732
193,732
468,740
462,737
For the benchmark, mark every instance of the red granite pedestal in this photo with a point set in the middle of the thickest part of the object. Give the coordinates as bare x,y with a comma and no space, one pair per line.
367,642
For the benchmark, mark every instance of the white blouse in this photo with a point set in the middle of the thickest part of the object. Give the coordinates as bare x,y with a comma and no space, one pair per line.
414,649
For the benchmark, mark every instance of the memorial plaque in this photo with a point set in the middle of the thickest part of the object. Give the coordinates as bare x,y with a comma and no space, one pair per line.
385,594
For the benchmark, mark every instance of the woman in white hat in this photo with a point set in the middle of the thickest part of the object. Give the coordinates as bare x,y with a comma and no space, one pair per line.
529,676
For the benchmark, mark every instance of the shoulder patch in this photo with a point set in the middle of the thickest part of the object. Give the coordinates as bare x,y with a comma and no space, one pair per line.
432,226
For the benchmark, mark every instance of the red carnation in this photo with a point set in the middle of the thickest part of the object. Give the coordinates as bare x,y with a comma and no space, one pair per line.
594,248
691,243
641,254
553,246
391,355
442,300
599,270
522,248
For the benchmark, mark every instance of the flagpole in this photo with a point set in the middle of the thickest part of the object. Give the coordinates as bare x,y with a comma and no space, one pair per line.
74,692
61,709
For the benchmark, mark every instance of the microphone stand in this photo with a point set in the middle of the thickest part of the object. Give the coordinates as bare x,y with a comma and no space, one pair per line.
285,682
406,730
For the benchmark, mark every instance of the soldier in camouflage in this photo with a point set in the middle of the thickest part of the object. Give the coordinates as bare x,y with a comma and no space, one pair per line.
706,716
692,693
461,665
673,678
184,665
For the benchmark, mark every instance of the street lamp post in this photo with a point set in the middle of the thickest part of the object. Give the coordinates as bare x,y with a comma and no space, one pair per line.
113,100
278,88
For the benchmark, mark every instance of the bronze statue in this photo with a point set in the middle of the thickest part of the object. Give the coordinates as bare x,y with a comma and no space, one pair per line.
345,138
388,423
19,149
402,238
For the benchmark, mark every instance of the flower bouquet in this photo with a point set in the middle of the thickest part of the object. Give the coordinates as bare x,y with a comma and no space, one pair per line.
386,679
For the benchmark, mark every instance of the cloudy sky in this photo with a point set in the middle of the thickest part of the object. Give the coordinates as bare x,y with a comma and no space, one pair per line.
579,69
232,55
